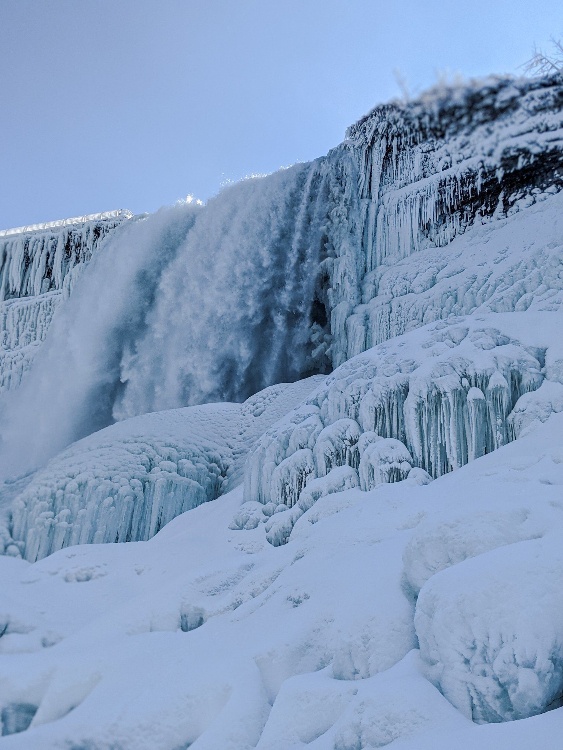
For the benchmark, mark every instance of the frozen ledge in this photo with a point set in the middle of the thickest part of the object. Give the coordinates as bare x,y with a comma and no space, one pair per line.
120,213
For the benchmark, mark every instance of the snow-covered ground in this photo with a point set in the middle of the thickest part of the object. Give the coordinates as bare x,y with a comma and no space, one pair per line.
349,635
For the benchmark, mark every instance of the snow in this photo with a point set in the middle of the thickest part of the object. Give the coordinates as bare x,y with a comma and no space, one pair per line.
311,641
368,558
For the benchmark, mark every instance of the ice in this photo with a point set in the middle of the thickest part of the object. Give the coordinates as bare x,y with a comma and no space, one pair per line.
279,527
337,445
125,482
436,545
252,644
535,407
380,562
432,399
38,268
384,460
290,477
36,259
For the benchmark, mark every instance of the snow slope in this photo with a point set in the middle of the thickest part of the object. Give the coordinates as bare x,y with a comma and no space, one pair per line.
321,641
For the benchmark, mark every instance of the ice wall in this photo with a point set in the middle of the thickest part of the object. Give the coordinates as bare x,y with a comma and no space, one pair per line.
431,400
38,265
456,160
36,259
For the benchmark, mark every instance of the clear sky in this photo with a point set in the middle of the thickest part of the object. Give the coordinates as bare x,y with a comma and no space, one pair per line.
135,103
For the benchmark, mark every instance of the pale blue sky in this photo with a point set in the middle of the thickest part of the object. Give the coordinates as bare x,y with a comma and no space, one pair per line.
135,103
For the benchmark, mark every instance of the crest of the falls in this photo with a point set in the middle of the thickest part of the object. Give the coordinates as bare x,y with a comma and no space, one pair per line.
233,310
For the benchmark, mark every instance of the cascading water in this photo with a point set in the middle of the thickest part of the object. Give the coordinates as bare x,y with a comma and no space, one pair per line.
187,306
232,314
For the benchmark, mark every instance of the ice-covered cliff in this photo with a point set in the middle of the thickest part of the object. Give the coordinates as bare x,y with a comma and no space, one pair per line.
281,277
38,266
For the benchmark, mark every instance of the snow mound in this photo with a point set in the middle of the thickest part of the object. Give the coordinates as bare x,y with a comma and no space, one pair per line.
491,653
125,482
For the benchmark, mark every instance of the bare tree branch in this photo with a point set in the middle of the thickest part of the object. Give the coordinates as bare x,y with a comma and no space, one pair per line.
542,63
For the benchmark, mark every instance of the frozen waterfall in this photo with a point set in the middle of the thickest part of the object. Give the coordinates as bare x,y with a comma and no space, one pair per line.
187,306
293,274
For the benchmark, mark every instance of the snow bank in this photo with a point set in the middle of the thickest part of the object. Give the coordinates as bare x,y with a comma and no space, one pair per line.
492,653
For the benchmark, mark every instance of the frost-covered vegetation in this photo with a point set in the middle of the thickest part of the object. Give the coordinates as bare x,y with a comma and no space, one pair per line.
372,555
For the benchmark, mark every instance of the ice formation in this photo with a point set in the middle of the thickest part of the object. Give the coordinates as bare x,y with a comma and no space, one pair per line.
292,274
381,560
125,482
38,266
434,398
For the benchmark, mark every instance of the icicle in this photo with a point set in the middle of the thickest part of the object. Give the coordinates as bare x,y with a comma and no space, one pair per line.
385,460
289,478
337,445
498,402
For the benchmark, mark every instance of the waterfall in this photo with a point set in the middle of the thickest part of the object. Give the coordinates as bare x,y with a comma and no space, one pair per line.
187,306
284,276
